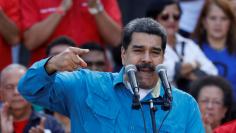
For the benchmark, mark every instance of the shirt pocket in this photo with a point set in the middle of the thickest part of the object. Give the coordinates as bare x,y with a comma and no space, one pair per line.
104,112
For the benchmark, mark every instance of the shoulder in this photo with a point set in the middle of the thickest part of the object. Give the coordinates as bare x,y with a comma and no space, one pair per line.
183,98
84,74
227,127
189,42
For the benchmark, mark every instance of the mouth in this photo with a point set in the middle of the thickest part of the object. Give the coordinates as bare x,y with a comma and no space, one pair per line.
145,68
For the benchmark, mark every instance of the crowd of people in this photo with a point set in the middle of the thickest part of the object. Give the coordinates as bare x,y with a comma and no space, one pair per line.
63,66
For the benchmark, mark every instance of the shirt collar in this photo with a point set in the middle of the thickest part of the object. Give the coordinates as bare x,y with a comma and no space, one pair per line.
119,78
156,91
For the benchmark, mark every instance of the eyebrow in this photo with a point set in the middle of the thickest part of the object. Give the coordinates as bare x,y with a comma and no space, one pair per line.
137,46
157,49
154,48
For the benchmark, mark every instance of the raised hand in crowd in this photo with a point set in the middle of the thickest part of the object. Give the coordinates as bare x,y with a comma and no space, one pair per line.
65,5
40,128
6,119
207,123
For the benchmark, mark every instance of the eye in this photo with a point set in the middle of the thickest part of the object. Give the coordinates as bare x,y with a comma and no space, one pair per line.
224,18
137,50
10,87
156,52
212,17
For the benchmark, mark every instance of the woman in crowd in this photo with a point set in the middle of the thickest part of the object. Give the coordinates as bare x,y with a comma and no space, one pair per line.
216,35
214,96
184,59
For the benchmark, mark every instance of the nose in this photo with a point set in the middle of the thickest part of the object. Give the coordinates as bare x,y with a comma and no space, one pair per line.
147,57
209,105
16,90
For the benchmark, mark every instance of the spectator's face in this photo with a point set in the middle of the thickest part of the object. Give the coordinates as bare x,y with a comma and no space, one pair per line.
144,49
169,18
95,60
216,23
58,49
211,104
9,81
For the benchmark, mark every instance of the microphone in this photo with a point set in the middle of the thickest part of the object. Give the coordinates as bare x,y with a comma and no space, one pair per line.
130,71
162,72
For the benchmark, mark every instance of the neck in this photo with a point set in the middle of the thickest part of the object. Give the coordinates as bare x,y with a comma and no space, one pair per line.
171,40
22,114
217,44
215,125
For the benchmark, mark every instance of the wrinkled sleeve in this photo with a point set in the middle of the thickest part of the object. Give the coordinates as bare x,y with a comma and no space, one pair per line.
49,91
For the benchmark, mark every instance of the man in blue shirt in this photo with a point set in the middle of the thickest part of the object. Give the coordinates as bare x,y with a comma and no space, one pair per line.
101,101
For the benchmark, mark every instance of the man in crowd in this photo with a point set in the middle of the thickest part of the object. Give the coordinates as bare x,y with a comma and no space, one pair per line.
96,58
102,102
58,45
16,114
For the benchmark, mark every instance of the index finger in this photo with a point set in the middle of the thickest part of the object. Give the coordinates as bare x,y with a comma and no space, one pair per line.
78,51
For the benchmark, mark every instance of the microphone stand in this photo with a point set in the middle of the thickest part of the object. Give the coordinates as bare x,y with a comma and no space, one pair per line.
165,103
152,112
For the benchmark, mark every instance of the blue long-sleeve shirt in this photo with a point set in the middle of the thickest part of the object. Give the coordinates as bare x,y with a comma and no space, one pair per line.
98,102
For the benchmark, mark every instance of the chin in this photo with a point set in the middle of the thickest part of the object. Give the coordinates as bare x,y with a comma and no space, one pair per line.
146,85
18,106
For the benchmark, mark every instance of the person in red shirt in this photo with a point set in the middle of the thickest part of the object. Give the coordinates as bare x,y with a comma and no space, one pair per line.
82,20
229,127
9,29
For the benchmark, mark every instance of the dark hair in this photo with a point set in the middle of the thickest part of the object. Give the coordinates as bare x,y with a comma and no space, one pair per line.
92,46
200,33
155,7
143,25
220,82
62,40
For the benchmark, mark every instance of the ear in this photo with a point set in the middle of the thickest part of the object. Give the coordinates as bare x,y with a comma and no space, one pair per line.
123,53
162,57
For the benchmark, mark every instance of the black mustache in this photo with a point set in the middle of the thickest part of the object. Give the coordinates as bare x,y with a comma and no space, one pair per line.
145,65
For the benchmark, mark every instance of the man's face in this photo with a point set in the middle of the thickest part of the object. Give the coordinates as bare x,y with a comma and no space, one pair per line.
9,82
145,52
95,60
58,49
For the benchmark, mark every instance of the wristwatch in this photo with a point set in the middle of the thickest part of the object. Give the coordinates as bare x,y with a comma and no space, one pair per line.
97,9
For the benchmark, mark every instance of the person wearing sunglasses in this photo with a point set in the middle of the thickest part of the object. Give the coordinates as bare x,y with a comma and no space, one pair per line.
184,59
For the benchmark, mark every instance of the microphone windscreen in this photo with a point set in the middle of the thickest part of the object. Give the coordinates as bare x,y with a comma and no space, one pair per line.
130,67
160,67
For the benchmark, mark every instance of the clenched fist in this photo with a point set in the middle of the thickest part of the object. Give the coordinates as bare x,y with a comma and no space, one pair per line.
68,60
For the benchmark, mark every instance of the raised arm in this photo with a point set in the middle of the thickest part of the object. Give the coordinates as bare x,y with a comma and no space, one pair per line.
45,86
8,29
109,26
38,33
